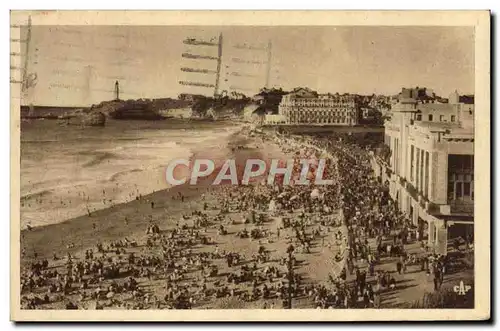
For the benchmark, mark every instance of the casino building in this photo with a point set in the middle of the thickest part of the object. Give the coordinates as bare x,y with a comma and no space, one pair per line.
430,167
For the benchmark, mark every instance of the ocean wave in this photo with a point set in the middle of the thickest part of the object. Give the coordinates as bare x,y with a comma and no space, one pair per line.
153,144
36,195
98,158
54,189
115,176
40,141
136,167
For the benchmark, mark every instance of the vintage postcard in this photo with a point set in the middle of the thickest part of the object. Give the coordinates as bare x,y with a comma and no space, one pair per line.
250,166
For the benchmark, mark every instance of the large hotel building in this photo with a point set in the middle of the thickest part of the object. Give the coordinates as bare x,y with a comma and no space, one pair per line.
430,170
304,106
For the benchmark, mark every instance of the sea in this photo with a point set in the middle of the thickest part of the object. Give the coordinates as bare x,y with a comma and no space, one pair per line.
69,171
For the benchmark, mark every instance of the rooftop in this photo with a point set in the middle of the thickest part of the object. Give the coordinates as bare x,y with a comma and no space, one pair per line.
452,128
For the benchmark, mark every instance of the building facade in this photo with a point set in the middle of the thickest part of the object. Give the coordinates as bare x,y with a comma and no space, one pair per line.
304,106
430,171
274,119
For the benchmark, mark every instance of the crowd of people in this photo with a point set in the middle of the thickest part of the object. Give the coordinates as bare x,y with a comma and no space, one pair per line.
187,264
378,233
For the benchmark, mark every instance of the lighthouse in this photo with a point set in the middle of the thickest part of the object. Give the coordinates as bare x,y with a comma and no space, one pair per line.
117,91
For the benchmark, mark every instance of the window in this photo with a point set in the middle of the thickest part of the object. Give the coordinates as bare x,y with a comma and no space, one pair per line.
422,165
466,188
441,118
426,174
460,177
412,167
396,156
458,190
451,191
430,117
461,164
453,118
419,117
417,175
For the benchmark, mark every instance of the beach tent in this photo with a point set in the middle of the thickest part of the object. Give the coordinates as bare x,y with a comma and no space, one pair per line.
272,206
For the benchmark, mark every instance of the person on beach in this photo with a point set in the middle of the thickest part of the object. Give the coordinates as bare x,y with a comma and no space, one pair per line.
399,266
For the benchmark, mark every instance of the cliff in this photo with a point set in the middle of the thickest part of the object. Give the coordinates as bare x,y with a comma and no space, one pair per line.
220,108
130,109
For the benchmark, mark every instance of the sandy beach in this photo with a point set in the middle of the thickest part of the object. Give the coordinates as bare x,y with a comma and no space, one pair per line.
320,163
127,219
238,246
169,209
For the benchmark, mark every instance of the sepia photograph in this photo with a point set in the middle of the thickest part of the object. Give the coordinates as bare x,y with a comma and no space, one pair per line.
215,166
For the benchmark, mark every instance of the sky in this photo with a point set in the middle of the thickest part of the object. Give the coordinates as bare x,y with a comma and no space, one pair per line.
78,65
